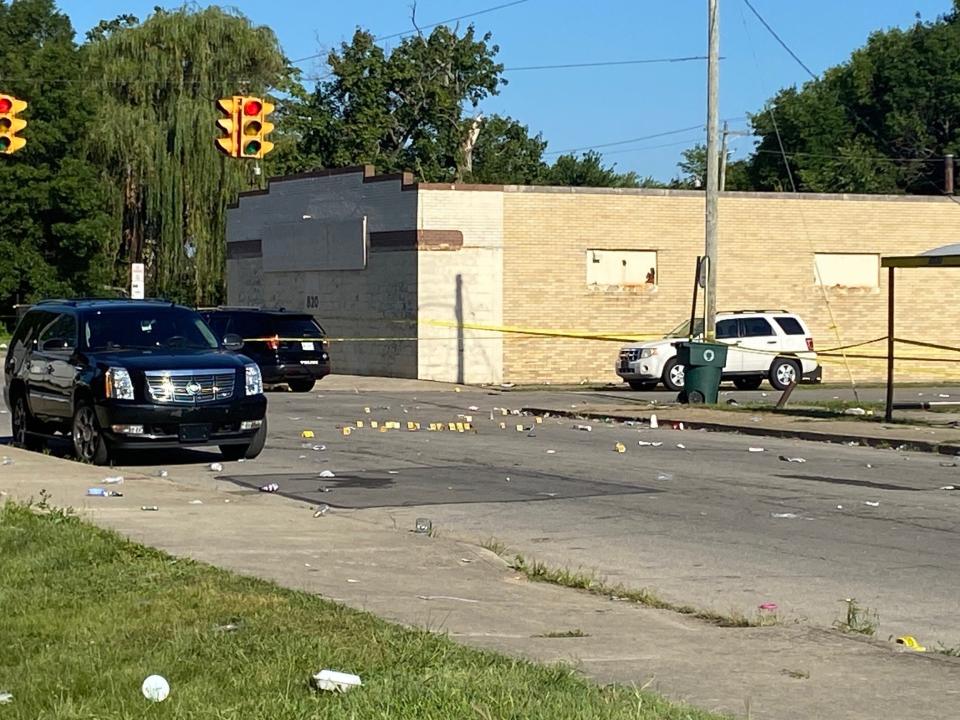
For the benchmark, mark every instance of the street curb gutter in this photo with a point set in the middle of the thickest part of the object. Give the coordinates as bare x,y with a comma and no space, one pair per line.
810,435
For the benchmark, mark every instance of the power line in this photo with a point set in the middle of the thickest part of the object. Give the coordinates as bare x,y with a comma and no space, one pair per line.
699,126
608,64
424,27
780,40
875,158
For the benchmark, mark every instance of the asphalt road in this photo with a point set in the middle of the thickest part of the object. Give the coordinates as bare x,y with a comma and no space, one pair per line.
710,523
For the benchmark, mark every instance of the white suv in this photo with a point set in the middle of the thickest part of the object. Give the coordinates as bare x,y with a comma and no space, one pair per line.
772,345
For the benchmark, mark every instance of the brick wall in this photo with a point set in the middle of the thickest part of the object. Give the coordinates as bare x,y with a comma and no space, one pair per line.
767,244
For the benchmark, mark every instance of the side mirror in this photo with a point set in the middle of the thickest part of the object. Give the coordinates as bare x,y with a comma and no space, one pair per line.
232,342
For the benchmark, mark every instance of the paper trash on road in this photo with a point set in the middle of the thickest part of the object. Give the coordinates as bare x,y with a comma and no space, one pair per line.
871,504
948,487
155,688
321,510
327,474
473,408
6,460
784,458
100,492
664,477
269,488
855,411
786,516
114,480
195,502
583,428
681,446
334,681
162,473
307,434
755,449
216,467
620,447
644,443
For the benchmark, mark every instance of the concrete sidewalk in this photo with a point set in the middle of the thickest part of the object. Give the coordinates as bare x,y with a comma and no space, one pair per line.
920,438
469,593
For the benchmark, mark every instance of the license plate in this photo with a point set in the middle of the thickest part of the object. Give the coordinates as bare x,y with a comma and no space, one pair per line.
194,433
306,345
624,367
309,362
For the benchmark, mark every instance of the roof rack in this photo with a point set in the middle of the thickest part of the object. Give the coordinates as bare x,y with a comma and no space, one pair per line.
746,312
256,308
73,302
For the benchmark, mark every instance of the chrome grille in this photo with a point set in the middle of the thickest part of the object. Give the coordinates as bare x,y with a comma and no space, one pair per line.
190,387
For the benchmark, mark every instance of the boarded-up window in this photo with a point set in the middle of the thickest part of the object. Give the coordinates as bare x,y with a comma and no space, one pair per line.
846,270
621,267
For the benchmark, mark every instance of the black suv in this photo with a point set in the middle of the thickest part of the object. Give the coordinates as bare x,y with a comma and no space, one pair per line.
289,347
130,374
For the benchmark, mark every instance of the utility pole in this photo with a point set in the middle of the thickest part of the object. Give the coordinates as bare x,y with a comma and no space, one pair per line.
948,174
710,245
723,157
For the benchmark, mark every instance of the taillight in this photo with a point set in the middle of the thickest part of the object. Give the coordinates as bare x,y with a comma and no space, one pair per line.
810,344
274,342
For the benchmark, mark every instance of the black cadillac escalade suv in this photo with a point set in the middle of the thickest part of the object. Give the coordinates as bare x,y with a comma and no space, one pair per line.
130,374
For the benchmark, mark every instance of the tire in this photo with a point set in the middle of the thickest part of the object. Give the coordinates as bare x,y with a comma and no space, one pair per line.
23,424
695,397
89,445
747,383
642,384
784,373
302,386
248,451
673,375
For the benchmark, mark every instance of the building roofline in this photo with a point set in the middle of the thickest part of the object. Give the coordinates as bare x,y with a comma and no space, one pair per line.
406,181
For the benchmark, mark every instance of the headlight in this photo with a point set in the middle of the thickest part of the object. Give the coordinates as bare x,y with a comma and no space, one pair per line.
648,352
254,383
118,384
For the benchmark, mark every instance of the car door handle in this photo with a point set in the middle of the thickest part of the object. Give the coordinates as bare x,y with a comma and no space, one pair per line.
771,342
49,369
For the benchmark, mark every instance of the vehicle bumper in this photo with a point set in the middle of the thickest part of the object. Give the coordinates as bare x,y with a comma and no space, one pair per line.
164,425
639,370
274,375
814,376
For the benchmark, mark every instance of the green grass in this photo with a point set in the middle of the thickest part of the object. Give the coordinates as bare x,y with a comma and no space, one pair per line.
575,633
589,582
85,616
857,619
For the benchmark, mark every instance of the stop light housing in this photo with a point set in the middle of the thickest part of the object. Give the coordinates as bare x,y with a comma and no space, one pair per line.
228,124
254,127
10,124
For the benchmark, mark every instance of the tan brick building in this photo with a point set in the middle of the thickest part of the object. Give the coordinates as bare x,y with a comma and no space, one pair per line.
441,281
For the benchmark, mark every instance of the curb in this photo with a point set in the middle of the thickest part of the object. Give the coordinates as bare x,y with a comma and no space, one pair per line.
785,433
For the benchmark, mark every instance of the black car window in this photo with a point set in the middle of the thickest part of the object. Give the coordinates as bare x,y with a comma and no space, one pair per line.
726,329
298,327
59,334
147,327
260,326
756,327
26,331
790,325
218,323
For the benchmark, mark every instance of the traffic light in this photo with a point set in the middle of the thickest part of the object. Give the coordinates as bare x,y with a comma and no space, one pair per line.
10,124
228,143
254,127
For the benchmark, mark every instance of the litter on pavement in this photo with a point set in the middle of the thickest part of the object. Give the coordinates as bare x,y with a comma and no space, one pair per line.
948,487
910,642
117,480
653,422
755,449
162,473
269,488
335,681
422,526
768,607
195,502
308,434
321,510
6,460
871,503
784,458
584,428
620,447
681,446
327,474
644,443
100,492
149,508
155,688
785,516
216,467
855,411
664,477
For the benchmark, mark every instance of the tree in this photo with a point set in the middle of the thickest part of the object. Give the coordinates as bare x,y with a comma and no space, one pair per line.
158,82
693,171
879,123
403,110
588,170
52,214
505,153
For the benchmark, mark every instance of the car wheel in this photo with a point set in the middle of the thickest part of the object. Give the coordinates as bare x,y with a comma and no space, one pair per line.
23,424
249,451
302,385
89,445
642,384
784,373
747,383
673,375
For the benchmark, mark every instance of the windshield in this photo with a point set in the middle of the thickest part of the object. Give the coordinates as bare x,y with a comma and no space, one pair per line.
252,326
683,331
147,327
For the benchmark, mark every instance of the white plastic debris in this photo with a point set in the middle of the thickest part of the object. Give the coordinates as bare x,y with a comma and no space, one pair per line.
269,487
785,516
784,458
114,480
473,408
155,688
653,422
195,502
583,428
551,452
5,698
839,507
327,474
664,477
644,443
162,473
6,460
335,681
216,467
755,449
943,395
871,504
319,448
948,487
855,411
321,510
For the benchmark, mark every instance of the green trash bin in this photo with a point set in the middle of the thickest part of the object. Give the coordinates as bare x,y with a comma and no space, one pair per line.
702,367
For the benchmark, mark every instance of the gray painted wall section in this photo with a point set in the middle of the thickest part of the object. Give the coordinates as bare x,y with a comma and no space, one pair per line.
368,313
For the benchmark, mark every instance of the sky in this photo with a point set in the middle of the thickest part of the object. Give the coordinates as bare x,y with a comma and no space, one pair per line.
576,108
